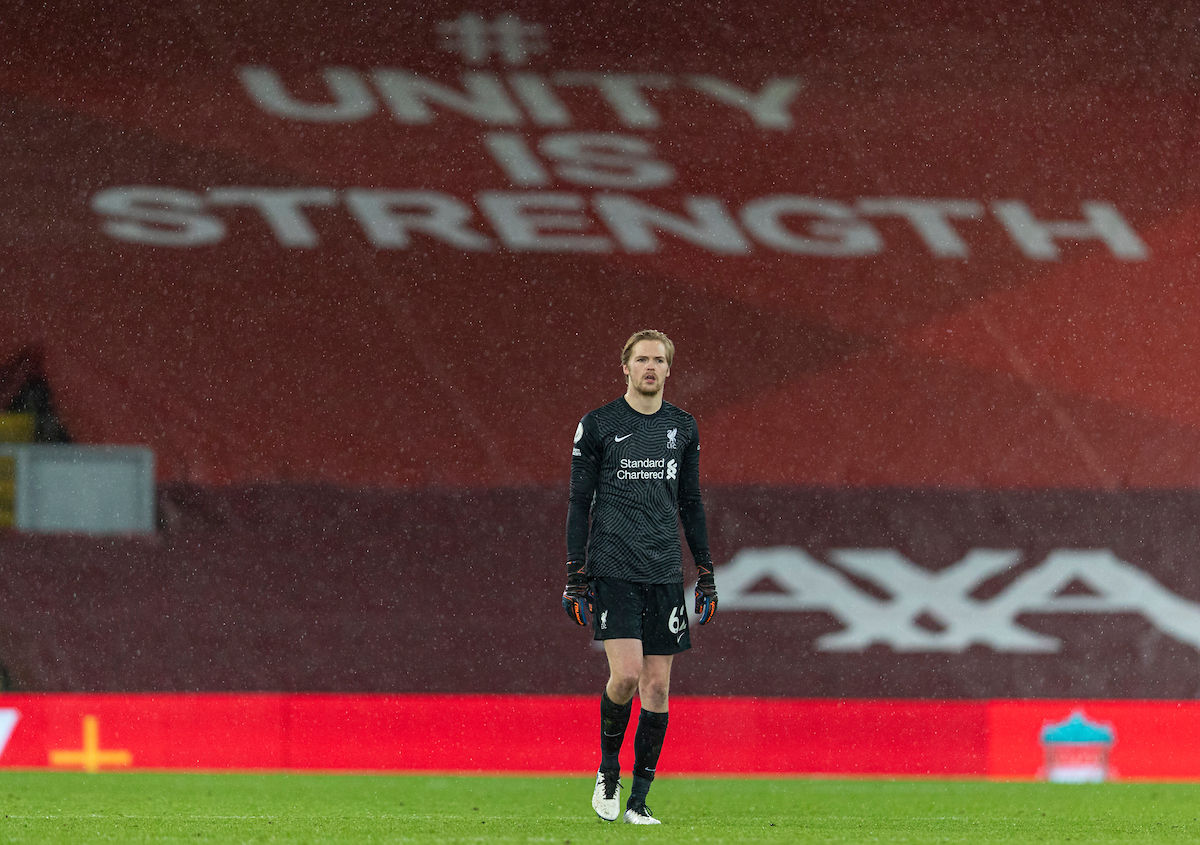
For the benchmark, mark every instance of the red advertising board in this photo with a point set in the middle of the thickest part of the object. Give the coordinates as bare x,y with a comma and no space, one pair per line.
355,275
475,733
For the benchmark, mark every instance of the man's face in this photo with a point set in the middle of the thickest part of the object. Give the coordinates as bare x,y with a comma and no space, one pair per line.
647,369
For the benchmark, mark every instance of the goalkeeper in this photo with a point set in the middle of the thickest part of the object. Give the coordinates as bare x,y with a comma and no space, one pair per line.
635,476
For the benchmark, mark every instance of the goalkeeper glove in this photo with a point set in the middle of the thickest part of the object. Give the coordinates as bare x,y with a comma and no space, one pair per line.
706,593
577,597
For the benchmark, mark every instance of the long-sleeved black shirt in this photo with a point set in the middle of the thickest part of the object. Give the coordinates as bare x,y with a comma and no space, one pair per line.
637,477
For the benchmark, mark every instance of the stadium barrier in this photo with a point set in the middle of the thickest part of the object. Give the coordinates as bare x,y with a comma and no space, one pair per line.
556,734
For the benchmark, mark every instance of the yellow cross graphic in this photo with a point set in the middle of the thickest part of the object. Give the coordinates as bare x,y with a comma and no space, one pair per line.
91,757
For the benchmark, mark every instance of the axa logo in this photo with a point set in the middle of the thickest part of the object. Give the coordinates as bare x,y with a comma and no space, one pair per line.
936,611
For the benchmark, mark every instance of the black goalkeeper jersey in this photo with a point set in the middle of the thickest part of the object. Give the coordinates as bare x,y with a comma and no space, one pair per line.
638,477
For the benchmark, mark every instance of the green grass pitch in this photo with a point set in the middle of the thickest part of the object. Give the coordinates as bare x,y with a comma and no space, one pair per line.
51,807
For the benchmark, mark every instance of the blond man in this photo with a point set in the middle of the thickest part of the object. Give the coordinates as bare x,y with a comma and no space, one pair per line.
635,476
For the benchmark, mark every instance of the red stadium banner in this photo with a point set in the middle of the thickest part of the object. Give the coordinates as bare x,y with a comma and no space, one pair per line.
920,245
557,734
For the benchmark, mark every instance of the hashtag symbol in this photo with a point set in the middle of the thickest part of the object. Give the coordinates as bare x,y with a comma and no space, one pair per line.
476,39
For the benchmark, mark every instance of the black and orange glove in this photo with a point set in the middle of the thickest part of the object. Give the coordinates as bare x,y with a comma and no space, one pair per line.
577,597
706,593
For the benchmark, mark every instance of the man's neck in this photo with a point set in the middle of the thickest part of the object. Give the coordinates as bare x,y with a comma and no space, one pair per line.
642,403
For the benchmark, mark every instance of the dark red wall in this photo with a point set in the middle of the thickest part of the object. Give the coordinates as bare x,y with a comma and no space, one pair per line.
293,588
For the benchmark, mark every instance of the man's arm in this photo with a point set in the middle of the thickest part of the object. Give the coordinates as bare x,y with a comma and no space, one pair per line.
585,465
695,529
585,474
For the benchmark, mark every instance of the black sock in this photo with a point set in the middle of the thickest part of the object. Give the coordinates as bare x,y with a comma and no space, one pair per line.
647,745
614,718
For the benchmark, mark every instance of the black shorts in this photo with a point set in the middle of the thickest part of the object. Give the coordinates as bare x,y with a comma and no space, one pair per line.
656,614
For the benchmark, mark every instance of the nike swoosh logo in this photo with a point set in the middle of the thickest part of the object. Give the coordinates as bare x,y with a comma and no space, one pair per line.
619,439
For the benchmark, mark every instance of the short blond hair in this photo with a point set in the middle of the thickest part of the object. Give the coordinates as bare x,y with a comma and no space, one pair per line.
647,334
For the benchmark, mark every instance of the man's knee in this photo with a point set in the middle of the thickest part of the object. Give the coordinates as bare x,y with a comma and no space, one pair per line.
654,692
623,680
655,683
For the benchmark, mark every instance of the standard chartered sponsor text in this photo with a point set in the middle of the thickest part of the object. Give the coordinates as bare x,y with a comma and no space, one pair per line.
642,470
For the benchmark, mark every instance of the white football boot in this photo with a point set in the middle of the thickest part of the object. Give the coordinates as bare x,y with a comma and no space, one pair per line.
640,815
606,798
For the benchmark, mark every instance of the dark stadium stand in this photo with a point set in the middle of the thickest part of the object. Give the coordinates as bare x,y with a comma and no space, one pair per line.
354,277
